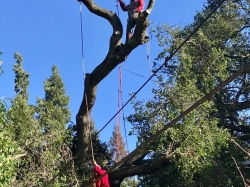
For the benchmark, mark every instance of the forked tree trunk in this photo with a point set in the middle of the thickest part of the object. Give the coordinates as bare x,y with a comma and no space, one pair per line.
112,59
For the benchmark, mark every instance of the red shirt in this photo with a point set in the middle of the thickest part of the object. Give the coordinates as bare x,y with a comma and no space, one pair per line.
104,181
136,5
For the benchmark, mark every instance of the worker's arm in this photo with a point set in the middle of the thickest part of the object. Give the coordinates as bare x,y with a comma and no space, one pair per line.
97,168
132,6
122,5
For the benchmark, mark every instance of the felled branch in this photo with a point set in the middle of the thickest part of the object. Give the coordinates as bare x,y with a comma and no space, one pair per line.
150,167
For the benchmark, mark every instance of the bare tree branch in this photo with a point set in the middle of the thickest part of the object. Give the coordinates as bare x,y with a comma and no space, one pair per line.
244,137
239,128
241,148
239,172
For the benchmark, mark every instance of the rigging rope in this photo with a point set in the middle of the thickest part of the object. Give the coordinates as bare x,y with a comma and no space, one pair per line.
121,100
125,130
117,9
148,54
120,77
84,73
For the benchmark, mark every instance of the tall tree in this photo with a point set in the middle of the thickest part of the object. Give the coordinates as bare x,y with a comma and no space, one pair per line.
53,115
197,68
113,58
24,127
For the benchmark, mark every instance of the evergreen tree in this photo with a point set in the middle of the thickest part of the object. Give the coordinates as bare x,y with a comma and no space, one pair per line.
53,115
25,129
117,145
53,110
41,132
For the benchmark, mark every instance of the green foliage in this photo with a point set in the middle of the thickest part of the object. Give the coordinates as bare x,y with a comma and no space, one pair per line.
8,149
129,182
40,132
21,77
198,148
53,115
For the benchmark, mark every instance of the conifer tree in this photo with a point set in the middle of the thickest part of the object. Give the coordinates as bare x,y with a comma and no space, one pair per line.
21,114
24,127
54,115
41,132
53,110
117,145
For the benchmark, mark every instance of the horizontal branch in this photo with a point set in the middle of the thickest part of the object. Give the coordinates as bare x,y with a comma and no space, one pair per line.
14,157
240,128
244,137
150,167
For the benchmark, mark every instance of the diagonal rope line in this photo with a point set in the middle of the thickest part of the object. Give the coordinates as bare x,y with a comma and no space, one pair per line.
166,60
83,65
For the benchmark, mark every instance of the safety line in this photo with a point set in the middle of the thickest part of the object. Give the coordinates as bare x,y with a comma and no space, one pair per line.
121,99
83,66
148,54
84,73
125,130
117,9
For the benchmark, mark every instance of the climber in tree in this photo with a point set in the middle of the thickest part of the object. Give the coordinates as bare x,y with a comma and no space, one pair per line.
133,10
104,181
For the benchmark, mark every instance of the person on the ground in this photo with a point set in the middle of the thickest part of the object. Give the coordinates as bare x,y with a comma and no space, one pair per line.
98,171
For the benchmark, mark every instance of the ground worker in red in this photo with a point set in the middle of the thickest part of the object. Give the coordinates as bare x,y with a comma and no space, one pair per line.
104,181
133,10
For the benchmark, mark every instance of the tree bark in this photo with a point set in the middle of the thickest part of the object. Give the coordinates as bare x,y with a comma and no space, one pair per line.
112,59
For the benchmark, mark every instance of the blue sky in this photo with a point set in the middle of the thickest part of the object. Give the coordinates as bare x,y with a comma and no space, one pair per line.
47,33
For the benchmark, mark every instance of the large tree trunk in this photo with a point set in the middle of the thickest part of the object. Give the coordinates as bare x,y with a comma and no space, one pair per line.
112,59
